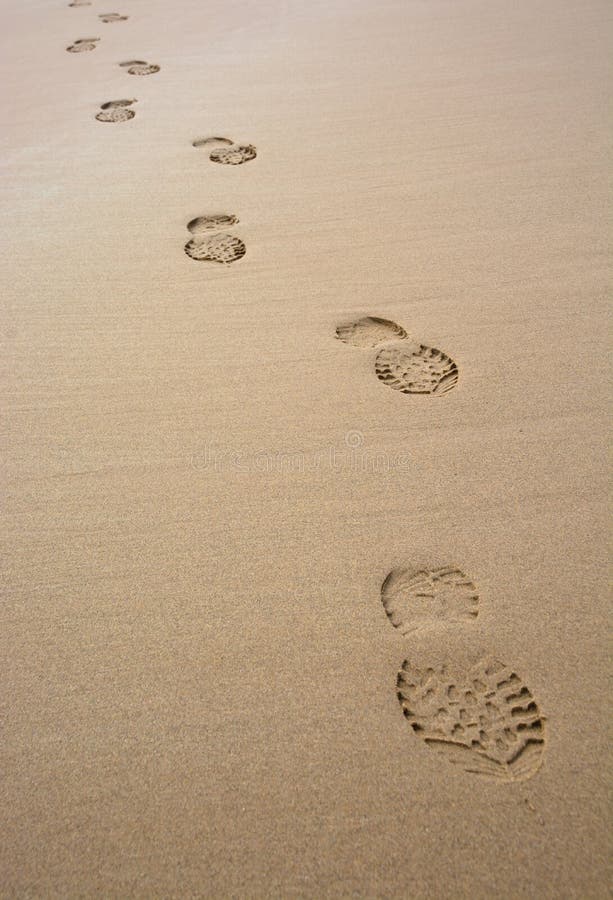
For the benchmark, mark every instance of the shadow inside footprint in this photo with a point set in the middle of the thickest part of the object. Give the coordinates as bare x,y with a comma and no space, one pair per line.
108,18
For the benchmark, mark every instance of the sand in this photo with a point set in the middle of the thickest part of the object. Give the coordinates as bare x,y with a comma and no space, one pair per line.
205,489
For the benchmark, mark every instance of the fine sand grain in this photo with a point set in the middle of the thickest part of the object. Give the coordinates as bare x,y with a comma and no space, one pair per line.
304,466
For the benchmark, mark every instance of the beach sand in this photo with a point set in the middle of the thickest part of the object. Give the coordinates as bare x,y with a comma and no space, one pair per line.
205,489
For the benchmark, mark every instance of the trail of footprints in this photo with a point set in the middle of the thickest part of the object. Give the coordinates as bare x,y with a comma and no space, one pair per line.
209,243
218,247
484,719
113,111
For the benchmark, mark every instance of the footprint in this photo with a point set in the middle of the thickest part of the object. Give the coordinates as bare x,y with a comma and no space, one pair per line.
220,248
480,716
208,223
405,365
484,719
415,598
235,155
80,3
116,111
369,331
416,369
112,17
82,45
139,67
225,151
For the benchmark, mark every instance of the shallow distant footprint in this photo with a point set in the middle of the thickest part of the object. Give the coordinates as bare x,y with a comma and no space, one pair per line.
484,719
220,247
225,151
83,45
402,364
139,67
80,3
116,111
108,18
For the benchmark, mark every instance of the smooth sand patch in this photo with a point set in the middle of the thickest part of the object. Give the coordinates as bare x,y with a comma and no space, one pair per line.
205,489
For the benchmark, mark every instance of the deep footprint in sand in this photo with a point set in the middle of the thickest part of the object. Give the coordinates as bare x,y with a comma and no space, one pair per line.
83,45
116,111
219,248
369,331
109,18
225,151
416,369
415,598
139,67
403,365
484,719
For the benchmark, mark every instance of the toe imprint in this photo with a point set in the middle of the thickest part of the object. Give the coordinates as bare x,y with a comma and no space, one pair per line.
487,721
235,155
208,223
416,369
112,17
208,142
369,331
111,104
414,598
221,248
139,67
